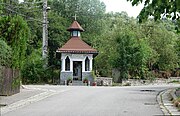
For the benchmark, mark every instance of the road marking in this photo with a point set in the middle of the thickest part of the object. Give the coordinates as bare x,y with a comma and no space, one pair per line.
19,104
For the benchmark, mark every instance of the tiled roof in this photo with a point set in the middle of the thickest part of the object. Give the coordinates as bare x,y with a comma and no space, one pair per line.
76,45
75,26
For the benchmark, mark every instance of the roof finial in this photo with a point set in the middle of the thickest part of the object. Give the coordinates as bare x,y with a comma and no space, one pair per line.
75,16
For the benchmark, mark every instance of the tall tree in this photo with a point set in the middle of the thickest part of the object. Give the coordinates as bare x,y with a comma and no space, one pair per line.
15,32
162,41
157,8
5,54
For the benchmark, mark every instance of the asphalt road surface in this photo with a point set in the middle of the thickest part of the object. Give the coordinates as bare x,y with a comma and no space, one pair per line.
96,101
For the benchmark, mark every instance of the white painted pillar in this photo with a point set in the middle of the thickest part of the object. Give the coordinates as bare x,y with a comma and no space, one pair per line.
63,65
71,65
90,67
83,65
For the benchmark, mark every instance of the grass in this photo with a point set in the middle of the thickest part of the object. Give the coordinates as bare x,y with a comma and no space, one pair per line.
116,84
175,81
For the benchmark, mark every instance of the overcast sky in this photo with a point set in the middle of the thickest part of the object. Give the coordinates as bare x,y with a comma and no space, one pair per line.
122,5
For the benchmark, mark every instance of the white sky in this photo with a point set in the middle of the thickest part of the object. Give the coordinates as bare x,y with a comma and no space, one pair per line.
122,5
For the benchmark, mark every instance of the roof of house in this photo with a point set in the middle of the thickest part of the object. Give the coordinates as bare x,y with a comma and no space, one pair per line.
76,45
75,26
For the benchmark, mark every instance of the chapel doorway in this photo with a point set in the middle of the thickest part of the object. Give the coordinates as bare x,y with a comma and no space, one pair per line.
77,70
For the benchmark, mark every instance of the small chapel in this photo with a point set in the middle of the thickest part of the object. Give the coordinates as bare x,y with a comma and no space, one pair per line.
76,56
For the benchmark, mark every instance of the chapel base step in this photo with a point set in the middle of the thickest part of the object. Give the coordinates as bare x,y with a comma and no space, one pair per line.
78,83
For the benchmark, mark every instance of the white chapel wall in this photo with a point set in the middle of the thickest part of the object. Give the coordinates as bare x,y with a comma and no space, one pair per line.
76,57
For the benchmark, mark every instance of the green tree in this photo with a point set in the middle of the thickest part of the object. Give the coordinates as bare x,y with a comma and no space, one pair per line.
135,49
57,35
177,47
157,8
162,41
33,70
15,32
5,54
132,55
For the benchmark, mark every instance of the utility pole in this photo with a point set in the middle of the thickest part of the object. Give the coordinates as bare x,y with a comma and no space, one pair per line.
45,31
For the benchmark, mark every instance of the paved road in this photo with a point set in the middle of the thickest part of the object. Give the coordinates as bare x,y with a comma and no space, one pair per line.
96,101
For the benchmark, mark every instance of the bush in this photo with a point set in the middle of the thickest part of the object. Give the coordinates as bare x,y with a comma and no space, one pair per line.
5,54
33,70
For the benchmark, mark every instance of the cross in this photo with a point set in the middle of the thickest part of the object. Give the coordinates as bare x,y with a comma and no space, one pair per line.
75,16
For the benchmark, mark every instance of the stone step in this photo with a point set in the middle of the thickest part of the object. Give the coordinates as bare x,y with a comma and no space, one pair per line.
77,83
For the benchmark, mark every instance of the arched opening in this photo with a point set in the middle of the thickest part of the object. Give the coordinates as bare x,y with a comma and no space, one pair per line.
67,64
87,64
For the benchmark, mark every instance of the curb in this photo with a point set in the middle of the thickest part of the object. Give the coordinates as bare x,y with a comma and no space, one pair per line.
19,104
174,96
161,104
166,105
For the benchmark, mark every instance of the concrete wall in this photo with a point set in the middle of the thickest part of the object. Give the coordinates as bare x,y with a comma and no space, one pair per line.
135,82
115,75
104,81
64,76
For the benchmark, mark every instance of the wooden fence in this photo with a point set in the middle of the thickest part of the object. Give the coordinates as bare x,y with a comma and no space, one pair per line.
9,81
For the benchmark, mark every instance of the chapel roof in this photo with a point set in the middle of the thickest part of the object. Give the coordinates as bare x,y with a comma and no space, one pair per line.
76,45
75,26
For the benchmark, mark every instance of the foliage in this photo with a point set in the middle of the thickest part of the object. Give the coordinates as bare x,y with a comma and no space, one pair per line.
34,70
15,32
163,43
136,50
177,48
85,80
57,28
5,54
93,75
69,80
157,8
132,55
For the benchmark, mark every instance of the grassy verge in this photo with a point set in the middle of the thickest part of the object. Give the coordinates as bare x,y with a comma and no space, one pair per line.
175,81
116,84
177,101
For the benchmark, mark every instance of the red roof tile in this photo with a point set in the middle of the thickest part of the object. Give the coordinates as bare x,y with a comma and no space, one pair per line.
76,45
75,26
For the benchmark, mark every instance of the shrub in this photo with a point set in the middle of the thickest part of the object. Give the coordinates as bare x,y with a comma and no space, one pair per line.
85,80
34,71
5,54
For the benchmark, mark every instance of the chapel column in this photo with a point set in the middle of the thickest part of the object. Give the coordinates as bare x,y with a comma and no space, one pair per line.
71,65
83,65
90,67
63,65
